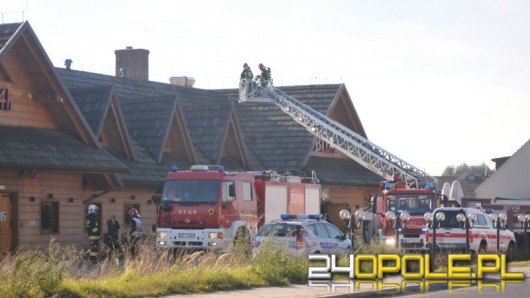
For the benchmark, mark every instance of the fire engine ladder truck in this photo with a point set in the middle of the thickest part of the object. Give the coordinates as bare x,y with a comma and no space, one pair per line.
353,145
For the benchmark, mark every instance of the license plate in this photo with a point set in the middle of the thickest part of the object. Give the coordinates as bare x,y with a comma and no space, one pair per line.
411,240
186,235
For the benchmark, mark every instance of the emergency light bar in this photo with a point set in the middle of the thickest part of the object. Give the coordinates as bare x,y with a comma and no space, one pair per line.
207,168
301,216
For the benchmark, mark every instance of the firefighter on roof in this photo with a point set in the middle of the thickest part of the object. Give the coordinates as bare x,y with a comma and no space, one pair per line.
265,75
94,232
247,72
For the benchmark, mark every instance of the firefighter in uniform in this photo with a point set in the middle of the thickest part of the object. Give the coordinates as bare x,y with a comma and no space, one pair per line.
265,75
247,72
94,232
246,79
135,227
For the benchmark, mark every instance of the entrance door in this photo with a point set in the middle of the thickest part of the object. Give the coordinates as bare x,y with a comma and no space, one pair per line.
6,233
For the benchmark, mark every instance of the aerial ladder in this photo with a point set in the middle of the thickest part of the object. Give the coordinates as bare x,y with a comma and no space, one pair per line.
353,145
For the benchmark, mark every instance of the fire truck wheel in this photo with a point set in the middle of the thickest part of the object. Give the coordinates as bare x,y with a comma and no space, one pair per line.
510,253
483,247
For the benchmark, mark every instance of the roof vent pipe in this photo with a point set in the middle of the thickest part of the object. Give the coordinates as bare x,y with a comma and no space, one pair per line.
68,63
124,70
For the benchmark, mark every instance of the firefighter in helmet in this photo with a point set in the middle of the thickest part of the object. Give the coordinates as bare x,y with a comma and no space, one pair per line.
247,72
265,75
135,227
246,79
93,231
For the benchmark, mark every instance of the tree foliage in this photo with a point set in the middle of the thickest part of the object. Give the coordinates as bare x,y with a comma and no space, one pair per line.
467,170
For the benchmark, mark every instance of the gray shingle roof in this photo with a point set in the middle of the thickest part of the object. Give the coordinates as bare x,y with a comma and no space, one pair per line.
277,141
46,149
341,172
148,120
6,32
93,103
207,127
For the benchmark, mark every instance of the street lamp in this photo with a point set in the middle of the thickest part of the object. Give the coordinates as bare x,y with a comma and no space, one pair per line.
525,221
467,223
434,223
352,221
498,222
399,222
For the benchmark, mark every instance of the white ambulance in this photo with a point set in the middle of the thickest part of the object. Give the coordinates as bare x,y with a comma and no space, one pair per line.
451,233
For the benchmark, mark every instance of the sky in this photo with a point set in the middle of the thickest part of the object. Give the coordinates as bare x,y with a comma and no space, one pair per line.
435,83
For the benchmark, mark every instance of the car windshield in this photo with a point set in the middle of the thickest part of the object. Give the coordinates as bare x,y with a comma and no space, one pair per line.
450,220
412,203
191,191
278,230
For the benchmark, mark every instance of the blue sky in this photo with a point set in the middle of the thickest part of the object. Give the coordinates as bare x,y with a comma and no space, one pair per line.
435,83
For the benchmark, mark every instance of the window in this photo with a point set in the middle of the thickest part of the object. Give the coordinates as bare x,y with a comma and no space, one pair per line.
247,191
5,100
49,217
320,231
333,232
226,191
481,220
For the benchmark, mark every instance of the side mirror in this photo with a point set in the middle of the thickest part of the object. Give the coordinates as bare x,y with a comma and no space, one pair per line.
165,206
231,190
373,200
156,198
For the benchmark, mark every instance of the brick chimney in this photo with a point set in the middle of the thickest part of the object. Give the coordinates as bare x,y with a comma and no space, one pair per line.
136,61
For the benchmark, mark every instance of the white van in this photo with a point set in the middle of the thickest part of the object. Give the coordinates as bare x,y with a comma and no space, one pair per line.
450,235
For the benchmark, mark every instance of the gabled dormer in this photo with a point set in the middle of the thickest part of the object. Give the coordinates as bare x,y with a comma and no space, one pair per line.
233,150
215,133
102,111
178,149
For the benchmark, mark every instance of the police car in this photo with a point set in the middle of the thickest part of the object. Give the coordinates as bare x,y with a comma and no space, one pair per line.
303,235
451,233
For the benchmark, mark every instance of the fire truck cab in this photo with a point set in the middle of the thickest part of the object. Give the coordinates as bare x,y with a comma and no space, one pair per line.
198,208
207,207
399,209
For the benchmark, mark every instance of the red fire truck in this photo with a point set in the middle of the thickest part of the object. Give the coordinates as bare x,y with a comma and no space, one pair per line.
411,202
208,207
399,209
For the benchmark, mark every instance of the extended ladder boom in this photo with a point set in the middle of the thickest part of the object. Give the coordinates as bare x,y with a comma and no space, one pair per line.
353,145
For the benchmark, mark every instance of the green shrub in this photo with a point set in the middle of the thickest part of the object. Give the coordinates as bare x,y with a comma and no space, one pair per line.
276,266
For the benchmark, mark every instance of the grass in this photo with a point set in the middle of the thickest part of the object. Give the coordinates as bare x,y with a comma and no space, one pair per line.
66,272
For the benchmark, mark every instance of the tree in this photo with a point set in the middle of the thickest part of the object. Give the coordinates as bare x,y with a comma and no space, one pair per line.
467,170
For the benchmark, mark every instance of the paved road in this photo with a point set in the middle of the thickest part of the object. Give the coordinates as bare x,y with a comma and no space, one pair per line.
391,287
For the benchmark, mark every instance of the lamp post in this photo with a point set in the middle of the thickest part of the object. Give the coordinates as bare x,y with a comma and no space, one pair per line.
399,222
498,221
525,221
433,221
467,223
352,221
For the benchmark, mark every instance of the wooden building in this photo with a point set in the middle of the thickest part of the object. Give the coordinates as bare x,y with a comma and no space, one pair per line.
72,138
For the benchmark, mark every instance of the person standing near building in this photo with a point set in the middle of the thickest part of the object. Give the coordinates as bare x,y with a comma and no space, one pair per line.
94,232
113,227
135,227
